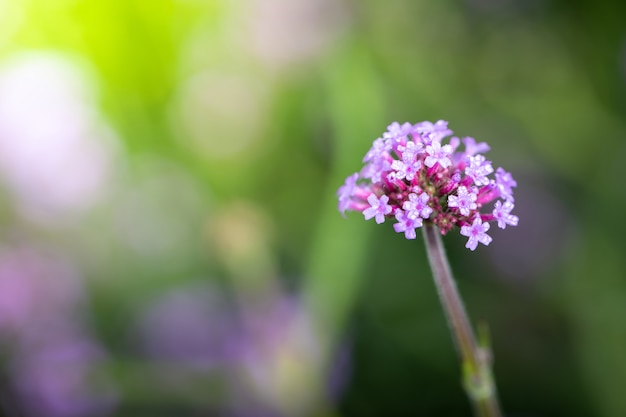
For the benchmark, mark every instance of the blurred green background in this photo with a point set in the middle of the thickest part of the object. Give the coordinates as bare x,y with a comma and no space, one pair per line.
169,239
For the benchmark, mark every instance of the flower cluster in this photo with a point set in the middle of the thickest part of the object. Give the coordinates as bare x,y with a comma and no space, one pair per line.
412,176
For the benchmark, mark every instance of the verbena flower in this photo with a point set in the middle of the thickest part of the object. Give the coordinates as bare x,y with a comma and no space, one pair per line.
411,176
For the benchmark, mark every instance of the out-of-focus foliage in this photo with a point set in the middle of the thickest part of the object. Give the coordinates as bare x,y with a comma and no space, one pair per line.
169,239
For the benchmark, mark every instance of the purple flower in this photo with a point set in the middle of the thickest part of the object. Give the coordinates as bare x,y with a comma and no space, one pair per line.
63,379
464,200
52,363
432,132
478,169
505,183
375,170
472,148
438,154
417,206
378,208
397,133
411,148
407,224
345,192
379,149
37,289
501,213
189,326
406,168
410,175
477,232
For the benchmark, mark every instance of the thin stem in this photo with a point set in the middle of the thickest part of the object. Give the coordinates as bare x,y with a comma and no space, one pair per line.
475,359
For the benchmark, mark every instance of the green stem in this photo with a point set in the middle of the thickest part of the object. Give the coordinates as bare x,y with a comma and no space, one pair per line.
475,359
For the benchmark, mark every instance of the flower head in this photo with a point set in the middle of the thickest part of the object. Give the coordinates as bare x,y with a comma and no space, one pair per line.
412,176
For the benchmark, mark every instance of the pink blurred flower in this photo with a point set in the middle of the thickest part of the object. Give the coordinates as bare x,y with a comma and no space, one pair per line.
36,290
62,381
188,326
55,155
51,357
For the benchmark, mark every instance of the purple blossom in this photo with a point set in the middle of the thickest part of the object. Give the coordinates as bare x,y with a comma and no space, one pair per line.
407,224
379,149
52,362
472,148
438,154
410,175
63,380
375,170
280,348
432,132
189,326
487,193
478,169
345,192
417,206
397,133
464,200
378,208
505,183
477,232
454,143
411,148
501,213
406,168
